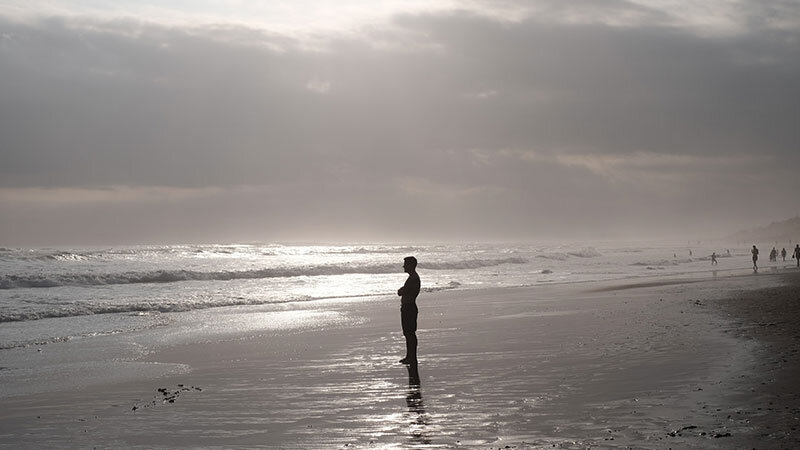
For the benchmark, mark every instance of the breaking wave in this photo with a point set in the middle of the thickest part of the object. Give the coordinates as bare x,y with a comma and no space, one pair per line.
168,306
448,286
163,306
554,256
373,250
172,276
588,252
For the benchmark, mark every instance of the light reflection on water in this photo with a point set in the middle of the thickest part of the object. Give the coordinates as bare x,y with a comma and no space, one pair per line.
416,408
488,393
355,400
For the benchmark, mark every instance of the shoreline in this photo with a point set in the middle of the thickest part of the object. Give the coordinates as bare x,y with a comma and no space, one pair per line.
644,366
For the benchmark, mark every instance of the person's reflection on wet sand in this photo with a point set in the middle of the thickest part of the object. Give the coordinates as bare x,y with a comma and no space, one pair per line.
419,419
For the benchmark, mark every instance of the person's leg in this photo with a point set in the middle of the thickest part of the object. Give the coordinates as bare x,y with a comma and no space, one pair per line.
411,347
404,321
409,317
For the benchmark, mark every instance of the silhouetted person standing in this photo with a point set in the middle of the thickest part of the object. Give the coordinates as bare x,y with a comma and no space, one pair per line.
713,258
797,254
408,308
754,251
783,253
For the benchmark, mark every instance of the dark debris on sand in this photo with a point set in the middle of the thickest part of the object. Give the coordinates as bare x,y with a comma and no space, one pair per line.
165,396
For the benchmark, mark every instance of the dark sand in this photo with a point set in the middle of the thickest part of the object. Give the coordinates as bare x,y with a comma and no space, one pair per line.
705,364
764,407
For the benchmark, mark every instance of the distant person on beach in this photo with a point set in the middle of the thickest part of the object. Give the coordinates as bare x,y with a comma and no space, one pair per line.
797,254
408,308
773,254
713,258
783,253
754,251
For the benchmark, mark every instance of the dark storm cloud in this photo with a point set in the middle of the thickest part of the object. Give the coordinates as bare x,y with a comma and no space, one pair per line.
469,119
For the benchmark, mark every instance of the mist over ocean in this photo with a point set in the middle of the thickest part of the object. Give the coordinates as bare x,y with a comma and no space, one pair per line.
50,294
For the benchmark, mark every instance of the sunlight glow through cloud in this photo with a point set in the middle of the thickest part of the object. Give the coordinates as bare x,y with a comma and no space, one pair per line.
296,17
308,17
255,120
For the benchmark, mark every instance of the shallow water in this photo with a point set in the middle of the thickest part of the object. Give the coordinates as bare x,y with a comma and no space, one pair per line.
127,288
559,366
108,307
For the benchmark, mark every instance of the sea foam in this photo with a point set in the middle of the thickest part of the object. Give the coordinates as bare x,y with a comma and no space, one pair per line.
15,281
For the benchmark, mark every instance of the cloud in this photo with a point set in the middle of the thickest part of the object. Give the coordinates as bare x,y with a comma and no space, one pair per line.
644,165
319,86
620,110
102,195
429,189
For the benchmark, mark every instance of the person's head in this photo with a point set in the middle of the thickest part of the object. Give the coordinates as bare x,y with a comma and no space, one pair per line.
409,264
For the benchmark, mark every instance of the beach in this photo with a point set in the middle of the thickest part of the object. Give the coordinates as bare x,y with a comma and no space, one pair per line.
398,224
671,363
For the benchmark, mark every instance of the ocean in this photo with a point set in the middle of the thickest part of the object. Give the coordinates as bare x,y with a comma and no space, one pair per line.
114,287
83,312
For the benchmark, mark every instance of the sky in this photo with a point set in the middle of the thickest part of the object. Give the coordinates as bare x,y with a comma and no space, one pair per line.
353,121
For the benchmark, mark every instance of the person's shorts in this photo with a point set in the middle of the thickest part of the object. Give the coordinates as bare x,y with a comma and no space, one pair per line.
408,315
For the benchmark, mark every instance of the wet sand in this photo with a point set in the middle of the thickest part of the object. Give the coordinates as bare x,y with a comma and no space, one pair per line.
704,364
